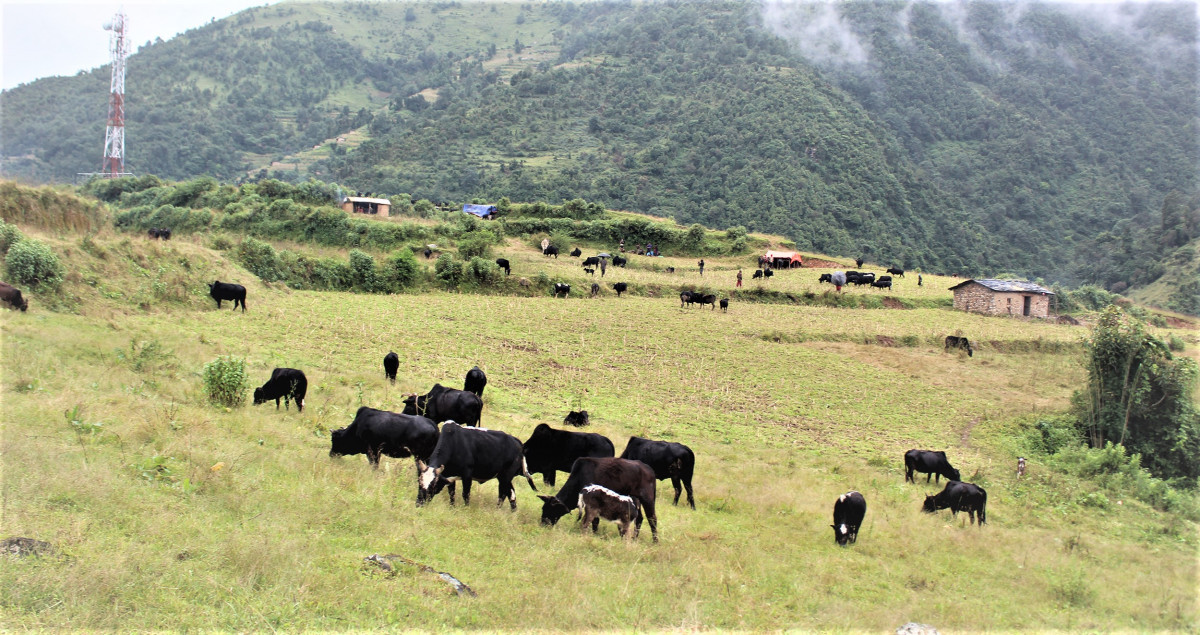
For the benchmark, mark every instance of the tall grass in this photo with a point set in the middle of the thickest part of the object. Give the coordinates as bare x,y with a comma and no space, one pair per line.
51,209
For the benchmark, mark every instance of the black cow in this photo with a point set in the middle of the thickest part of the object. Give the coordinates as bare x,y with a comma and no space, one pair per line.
930,463
768,273
700,298
445,404
953,341
591,261
285,383
959,497
595,289
475,381
883,279
11,296
758,273
589,271
631,478
551,251
503,264
472,454
896,271
825,277
670,269
549,450
577,419
848,514
858,262
379,432
428,253
226,291
562,288
597,501
724,305
685,298
882,284
619,261
575,253
620,288
164,233
668,460
391,363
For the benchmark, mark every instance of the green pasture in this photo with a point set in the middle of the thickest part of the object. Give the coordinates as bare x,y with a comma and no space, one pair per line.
172,514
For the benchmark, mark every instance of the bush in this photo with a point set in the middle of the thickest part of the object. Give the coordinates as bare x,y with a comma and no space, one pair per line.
475,245
9,236
225,381
403,269
260,259
484,271
448,270
31,262
362,267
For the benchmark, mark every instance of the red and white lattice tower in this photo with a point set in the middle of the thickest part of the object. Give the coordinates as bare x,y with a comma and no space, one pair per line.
114,136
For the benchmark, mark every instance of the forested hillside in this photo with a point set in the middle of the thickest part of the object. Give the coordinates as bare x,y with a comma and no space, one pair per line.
1042,140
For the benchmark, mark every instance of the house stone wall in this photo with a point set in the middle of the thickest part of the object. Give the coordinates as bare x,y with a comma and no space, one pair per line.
977,298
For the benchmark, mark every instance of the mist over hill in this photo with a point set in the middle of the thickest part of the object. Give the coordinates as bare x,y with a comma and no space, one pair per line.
1043,140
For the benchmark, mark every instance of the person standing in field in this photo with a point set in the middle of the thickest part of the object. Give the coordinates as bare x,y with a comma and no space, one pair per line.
739,282
701,266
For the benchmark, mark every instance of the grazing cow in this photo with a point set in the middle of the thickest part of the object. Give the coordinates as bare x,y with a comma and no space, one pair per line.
153,233
575,253
551,251
619,261
768,273
896,271
472,454
444,404
959,497
883,279
670,269
668,460
631,478
474,382
503,264
825,277
700,298
226,291
591,261
428,253
953,341
929,463
577,419
620,288
882,284
285,383
597,501
685,298
549,450
562,288
758,273
848,514
11,296
381,433
391,363
1020,467
858,262
724,305
595,289
164,233
589,271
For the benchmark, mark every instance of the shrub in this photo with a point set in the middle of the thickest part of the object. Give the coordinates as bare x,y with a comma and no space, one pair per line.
9,236
32,262
475,245
362,268
260,259
403,269
448,270
484,271
225,381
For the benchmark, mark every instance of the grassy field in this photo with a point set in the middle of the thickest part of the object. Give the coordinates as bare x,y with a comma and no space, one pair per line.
173,514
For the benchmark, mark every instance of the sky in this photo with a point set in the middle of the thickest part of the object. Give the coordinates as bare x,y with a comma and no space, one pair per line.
60,37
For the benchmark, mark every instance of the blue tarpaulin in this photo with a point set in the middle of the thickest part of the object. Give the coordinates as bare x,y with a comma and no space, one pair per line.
482,211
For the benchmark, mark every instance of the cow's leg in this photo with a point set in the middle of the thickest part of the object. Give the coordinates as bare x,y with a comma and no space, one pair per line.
928,476
548,477
687,483
453,487
466,481
678,488
588,516
218,303
908,475
596,524
277,403
373,459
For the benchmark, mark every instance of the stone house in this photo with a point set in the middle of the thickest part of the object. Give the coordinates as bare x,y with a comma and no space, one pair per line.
1003,297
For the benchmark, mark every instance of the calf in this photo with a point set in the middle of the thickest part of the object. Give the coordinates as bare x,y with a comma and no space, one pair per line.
825,277
668,460
724,305
959,497
595,289
285,383
591,261
11,296
589,271
379,432
503,264
896,271
848,514
561,288
226,291
549,451
391,363
475,381
620,288
575,253
631,478
551,251
443,404
670,269
472,454
1020,467
597,501
929,463
953,341
577,419
758,273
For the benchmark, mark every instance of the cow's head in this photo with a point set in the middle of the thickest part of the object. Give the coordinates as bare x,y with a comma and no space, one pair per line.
841,534
414,405
954,474
24,305
429,482
342,443
930,505
552,509
258,396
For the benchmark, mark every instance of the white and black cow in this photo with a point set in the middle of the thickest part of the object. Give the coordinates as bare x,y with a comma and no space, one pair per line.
929,463
848,512
549,451
391,363
630,478
285,383
598,502
668,460
475,382
561,288
443,404
953,341
381,433
472,455
959,497
227,291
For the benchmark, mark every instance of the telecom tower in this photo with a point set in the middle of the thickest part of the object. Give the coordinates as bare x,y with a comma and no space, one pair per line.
114,135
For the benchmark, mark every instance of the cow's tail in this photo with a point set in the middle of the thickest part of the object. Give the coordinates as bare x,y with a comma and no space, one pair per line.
526,474
982,507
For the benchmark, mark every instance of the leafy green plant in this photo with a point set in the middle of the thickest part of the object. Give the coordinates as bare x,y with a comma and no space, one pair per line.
32,262
448,270
9,236
225,381
403,269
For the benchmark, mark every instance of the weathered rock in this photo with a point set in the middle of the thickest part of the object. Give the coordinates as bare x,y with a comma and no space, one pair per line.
913,628
17,546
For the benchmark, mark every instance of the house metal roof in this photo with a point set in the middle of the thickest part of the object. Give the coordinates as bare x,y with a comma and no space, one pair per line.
1007,286
367,199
